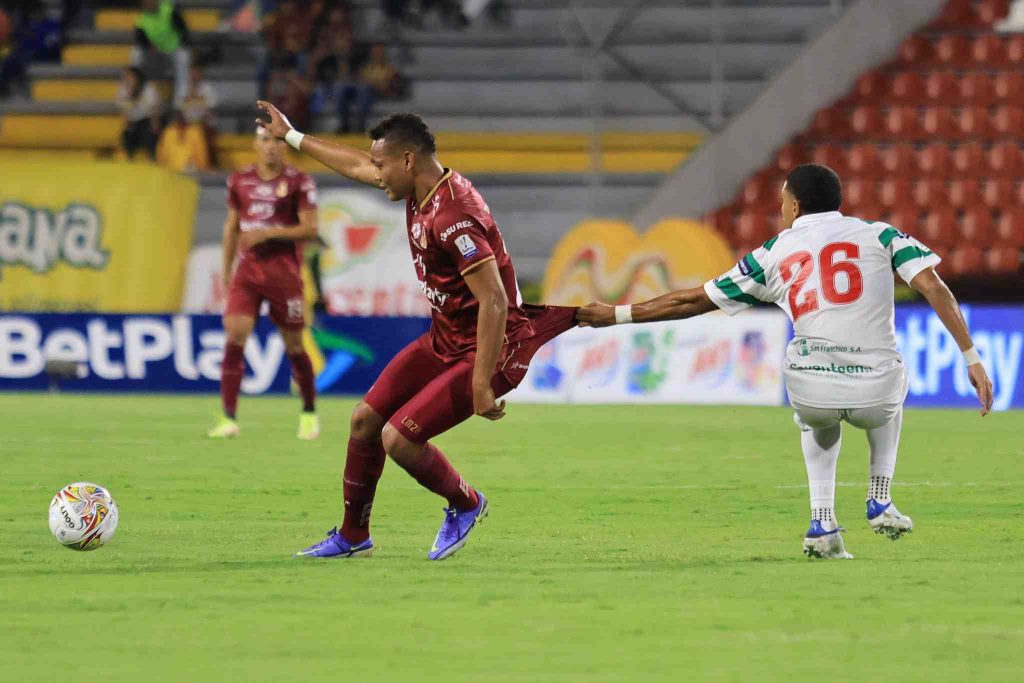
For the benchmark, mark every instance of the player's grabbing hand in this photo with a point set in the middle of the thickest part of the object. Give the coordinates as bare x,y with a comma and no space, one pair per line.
279,124
596,315
485,404
982,384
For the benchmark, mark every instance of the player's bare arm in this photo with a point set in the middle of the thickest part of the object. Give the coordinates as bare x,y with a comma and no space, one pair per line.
230,244
935,291
485,283
684,303
307,229
350,162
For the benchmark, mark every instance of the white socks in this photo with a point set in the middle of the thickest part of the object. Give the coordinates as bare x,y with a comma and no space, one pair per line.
883,444
821,452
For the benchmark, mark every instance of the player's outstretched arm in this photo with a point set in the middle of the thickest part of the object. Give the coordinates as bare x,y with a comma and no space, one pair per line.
350,162
944,303
684,303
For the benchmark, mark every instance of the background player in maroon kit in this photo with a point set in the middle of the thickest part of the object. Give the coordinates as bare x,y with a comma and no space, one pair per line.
479,346
271,212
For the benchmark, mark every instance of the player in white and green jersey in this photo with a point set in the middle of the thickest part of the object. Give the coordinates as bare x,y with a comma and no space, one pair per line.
832,274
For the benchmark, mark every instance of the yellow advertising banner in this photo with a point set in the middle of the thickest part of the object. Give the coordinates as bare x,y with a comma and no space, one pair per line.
94,236
607,260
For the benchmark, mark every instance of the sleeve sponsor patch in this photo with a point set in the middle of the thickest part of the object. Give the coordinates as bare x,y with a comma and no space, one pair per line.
466,246
744,267
447,232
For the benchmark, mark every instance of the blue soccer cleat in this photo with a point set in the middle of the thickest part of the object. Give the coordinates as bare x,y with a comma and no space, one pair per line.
824,545
335,546
455,529
884,518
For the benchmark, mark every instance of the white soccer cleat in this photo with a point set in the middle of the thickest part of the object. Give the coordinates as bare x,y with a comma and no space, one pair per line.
226,428
884,518
824,545
309,426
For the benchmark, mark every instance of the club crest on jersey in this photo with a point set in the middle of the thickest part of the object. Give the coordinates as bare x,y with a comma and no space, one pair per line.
419,235
282,189
466,246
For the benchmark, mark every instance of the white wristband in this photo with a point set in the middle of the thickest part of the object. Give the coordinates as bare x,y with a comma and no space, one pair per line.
623,314
971,356
294,138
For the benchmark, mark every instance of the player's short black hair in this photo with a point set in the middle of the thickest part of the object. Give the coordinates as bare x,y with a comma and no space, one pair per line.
408,131
816,187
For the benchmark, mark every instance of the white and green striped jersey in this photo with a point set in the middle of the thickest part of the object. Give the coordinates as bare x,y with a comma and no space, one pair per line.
832,274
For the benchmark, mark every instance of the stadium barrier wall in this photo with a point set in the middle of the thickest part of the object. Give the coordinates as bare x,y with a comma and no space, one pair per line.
711,359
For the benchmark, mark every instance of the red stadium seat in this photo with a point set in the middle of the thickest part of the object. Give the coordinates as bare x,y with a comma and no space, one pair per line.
969,159
864,160
789,157
998,193
936,161
901,124
1008,86
906,219
951,50
831,123
1002,259
860,192
931,194
895,192
1015,50
753,228
871,87
977,227
940,123
1008,120
1004,160
977,88
974,123
906,87
988,51
955,14
900,159
1010,227
756,191
867,212
942,87
915,50
831,156
966,260
965,194
991,11
866,122
722,220
939,228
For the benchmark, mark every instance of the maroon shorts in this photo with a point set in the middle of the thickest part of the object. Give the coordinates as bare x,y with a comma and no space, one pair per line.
281,286
422,396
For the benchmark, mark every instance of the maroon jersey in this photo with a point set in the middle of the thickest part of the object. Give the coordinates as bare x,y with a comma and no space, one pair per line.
263,204
450,233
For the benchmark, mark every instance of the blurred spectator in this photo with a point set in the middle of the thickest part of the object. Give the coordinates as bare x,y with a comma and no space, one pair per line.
30,32
197,106
450,11
183,146
139,102
290,90
160,28
246,16
377,78
288,34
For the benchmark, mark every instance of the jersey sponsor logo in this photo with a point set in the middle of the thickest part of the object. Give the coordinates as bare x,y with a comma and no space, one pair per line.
39,238
744,268
435,297
419,263
806,348
466,246
261,211
833,368
455,228
264,190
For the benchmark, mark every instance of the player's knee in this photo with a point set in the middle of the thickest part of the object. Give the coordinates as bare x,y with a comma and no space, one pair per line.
398,447
365,424
236,336
294,348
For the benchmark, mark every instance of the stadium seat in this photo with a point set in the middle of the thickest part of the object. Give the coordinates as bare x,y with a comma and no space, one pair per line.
906,87
871,87
790,156
895,192
940,123
915,50
955,14
1008,120
832,122
951,50
756,191
753,228
1004,159
965,193
864,160
939,228
900,160
977,88
931,193
866,122
1010,227
1015,50
988,51
1008,86
942,87
907,219
974,123
901,124
969,159
860,192
935,160
991,11
998,193
977,227
1002,259
831,156
966,260
722,221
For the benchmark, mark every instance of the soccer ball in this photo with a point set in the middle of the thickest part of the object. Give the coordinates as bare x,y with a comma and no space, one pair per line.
83,516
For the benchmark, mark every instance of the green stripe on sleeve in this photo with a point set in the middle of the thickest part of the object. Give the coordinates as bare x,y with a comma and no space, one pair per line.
756,271
908,254
887,236
770,243
731,290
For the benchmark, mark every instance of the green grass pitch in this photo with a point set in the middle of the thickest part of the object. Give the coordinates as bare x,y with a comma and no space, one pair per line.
639,543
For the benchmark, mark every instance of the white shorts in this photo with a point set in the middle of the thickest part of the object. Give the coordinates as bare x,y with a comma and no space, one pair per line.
808,418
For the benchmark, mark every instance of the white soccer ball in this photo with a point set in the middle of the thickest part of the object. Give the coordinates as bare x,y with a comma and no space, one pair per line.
83,516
